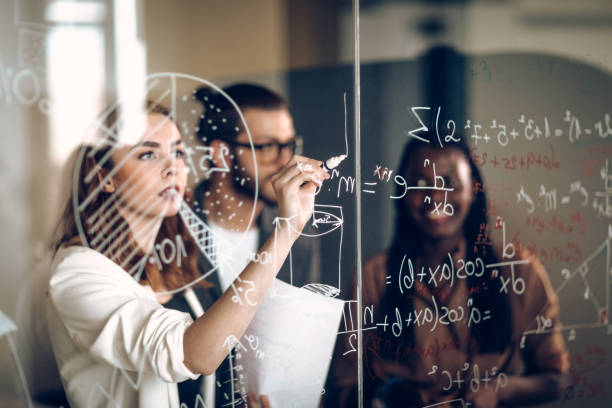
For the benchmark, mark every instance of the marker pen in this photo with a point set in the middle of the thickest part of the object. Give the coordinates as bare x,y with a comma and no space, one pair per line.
333,162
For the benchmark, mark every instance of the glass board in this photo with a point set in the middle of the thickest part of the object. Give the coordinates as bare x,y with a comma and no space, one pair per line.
458,255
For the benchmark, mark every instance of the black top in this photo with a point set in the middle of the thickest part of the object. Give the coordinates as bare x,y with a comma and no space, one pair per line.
188,390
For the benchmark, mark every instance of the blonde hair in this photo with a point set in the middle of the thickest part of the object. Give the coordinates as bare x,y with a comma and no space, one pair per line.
93,164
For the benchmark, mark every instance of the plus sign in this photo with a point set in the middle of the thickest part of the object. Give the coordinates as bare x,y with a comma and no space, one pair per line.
459,380
409,319
537,131
384,325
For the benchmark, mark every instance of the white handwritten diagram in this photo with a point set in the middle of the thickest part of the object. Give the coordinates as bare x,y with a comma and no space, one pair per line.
590,282
177,92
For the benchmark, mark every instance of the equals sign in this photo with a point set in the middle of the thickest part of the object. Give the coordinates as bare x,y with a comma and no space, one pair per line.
388,282
558,132
369,191
587,131
565,200
487,315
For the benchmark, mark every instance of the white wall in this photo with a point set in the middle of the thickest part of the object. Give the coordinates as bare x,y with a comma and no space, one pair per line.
576,29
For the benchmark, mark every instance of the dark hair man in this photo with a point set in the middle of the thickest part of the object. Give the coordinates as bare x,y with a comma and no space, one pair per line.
240,187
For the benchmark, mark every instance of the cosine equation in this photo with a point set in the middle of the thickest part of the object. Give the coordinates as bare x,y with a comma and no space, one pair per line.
434,315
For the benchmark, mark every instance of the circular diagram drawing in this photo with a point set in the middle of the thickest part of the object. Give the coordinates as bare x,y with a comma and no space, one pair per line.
189,107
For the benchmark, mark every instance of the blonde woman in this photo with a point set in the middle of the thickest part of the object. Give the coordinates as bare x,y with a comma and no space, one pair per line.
114,342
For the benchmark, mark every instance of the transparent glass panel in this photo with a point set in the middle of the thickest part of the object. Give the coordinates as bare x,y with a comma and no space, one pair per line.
138,185
472,207
486,227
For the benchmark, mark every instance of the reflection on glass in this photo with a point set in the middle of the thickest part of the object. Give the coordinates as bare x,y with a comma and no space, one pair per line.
448,310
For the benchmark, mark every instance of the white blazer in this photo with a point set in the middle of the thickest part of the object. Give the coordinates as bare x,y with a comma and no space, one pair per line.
115,345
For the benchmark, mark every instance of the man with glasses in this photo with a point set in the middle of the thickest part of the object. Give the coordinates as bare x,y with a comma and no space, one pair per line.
237,191
240,186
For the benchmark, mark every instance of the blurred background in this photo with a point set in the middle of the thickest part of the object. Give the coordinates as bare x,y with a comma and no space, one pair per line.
524,64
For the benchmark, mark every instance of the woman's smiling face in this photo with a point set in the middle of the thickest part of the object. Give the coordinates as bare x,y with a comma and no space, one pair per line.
444,212
150,177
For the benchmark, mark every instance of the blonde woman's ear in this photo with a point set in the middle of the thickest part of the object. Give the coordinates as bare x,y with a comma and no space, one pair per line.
109,184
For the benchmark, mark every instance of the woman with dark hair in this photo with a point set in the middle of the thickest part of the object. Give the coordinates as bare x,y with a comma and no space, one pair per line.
114,342
448,328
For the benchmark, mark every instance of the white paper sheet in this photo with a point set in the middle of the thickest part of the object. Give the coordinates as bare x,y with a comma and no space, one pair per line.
6,324
287,349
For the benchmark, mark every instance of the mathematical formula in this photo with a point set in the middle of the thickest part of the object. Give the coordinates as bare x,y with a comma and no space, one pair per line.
526,128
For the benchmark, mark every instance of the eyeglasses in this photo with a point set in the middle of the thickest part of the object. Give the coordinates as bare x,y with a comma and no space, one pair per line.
271,151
